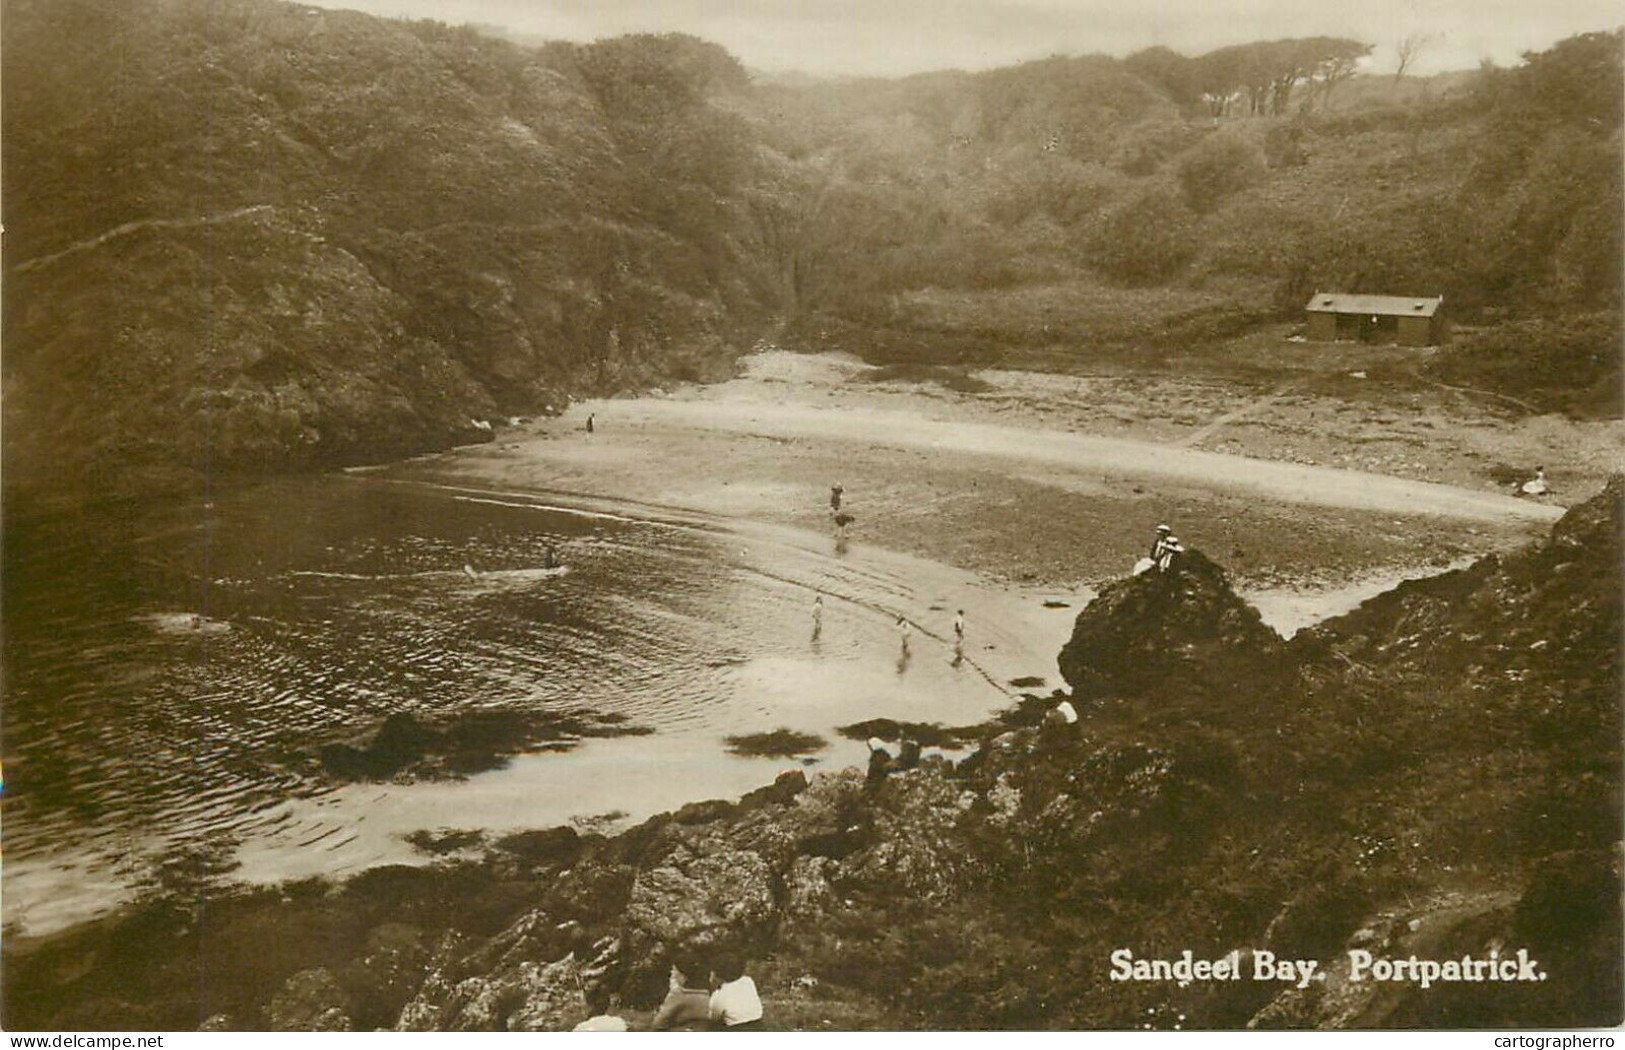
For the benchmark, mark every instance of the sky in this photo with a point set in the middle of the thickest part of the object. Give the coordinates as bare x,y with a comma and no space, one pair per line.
898,37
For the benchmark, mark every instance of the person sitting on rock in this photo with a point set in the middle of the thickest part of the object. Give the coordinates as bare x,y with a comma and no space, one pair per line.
1060,723
1538,486
1158,553
1163,532
601,1003
735,1006
687,1007
1168,554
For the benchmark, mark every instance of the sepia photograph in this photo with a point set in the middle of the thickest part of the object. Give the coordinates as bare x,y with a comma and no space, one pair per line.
811,516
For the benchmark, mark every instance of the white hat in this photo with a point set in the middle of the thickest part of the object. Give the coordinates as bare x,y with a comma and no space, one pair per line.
877,744
1164,528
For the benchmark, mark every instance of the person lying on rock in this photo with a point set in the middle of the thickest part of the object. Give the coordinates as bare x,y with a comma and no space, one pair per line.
687,1007
601,1004
735,1006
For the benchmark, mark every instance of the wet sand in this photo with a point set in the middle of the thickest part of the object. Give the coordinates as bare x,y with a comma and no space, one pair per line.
966,481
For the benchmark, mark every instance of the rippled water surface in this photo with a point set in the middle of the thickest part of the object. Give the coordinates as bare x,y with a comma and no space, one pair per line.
171,671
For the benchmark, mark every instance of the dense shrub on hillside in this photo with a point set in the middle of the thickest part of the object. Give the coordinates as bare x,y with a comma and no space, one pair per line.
1569,365
1223,164
1546,179
1147,239
1144,148
1556,228
519,224
1069,192
1283,145
264,236
1490,191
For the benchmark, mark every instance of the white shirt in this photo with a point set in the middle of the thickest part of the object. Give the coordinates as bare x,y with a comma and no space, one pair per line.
736,1003
1068,712
601,1023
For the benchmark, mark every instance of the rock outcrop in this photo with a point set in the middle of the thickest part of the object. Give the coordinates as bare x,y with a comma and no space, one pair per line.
1181,630
310,1001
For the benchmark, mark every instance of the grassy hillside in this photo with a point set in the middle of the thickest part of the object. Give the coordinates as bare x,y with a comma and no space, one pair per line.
1071,201
248,234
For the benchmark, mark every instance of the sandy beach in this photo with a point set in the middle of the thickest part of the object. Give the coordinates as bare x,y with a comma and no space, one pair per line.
1010,483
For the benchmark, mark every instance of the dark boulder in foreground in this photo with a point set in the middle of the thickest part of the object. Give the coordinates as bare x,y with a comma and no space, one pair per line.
1185,629
473,742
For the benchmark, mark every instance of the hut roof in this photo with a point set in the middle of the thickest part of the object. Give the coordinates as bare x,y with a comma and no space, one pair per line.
1379,305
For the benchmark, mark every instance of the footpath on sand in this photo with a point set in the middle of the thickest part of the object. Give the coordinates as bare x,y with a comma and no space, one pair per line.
1266,479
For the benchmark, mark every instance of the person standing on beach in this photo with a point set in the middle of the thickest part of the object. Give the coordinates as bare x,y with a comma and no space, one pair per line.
903,630
959,637
835,498
590,416
818,617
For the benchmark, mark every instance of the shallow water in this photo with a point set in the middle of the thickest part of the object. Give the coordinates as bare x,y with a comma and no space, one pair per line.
1290,609
172,671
